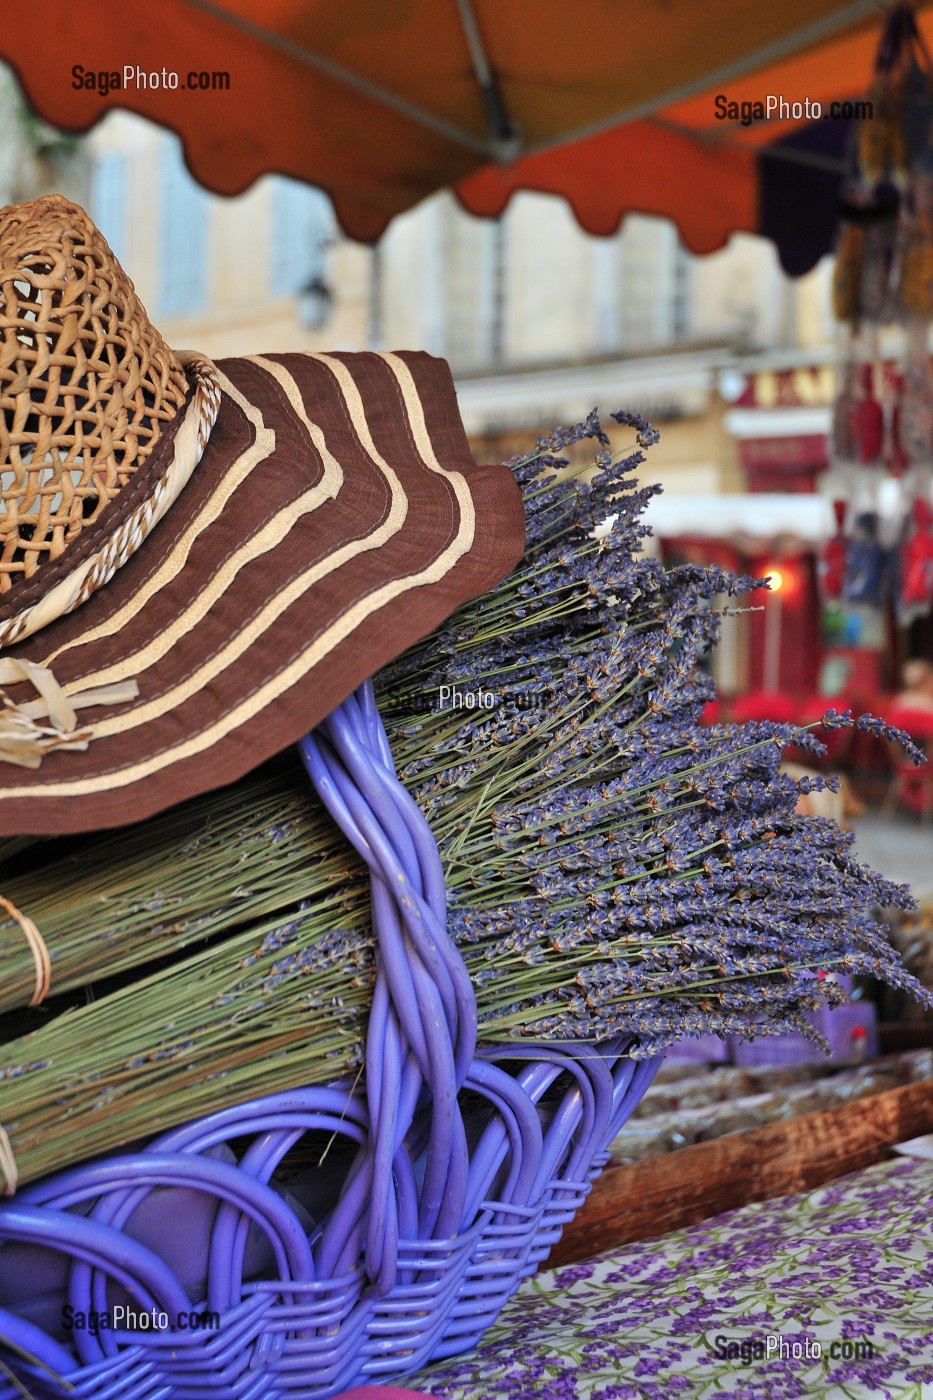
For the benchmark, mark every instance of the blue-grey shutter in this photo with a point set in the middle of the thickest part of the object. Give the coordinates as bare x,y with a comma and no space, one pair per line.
302,225
109,201
184,238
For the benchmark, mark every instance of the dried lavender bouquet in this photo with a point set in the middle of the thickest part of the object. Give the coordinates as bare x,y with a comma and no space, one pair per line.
613,867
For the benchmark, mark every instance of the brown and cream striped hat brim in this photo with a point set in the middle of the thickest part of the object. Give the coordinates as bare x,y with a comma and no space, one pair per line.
335,515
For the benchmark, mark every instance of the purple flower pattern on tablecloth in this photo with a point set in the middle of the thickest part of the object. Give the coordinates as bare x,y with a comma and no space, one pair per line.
850,1261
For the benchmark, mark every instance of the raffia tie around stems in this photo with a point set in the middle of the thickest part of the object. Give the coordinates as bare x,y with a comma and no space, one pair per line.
29,731
7,1164
38,948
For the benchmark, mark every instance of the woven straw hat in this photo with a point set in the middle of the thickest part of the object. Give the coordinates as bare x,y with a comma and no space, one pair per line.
198,561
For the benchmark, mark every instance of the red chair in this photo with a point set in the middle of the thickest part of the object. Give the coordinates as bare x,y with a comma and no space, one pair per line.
764,705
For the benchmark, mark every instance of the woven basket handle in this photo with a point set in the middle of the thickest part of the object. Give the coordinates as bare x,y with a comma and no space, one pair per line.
422,1028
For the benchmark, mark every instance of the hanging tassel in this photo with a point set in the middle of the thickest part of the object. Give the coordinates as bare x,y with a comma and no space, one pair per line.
916,591
847,277
895,457
917,270
832,566
868,420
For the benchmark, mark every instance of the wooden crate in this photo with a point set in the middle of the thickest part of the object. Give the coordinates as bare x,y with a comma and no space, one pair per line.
649,1198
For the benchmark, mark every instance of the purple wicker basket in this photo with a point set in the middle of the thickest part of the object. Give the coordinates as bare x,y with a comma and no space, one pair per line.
189,1270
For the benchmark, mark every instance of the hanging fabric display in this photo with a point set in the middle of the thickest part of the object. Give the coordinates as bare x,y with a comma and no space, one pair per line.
882,426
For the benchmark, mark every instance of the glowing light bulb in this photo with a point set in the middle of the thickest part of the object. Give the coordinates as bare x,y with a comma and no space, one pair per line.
776,579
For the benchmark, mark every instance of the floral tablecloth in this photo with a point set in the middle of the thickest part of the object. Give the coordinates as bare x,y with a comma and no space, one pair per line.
828,1294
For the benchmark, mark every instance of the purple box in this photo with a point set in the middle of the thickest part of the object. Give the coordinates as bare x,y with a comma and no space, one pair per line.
775,1050
851,1030
699,1050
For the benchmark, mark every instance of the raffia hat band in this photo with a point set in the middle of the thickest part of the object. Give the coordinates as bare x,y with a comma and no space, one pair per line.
142,510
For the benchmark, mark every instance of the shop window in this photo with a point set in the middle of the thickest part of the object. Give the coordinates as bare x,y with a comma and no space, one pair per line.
653,288
471,288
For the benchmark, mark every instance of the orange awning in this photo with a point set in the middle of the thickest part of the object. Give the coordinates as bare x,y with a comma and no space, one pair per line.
609,103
